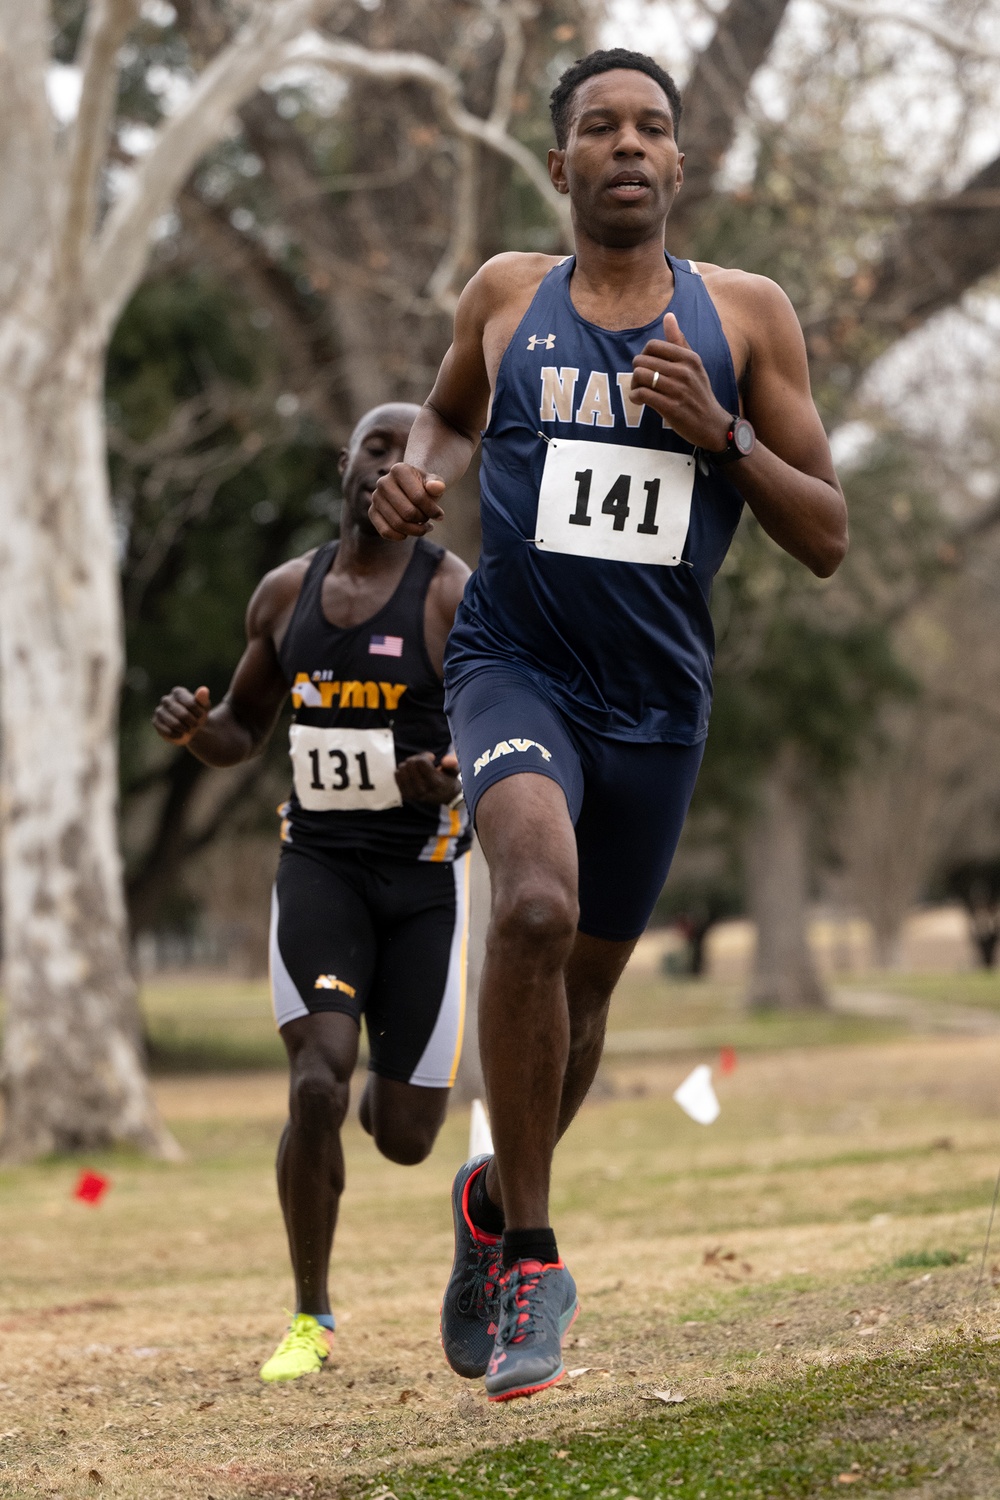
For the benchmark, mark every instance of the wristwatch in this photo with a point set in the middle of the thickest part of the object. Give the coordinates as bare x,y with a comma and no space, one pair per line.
740,443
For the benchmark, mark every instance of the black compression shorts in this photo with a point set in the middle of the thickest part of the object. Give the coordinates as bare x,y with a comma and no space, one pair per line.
365,935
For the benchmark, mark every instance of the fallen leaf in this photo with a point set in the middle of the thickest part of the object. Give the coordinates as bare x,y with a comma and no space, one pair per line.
669,1398
562,1453
348,1448
575,1374
95,1476
204,1405
848,1478
404,1396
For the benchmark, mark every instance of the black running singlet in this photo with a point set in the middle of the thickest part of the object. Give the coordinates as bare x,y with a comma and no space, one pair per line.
364,699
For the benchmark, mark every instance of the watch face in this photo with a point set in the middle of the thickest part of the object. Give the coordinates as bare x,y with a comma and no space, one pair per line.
743,437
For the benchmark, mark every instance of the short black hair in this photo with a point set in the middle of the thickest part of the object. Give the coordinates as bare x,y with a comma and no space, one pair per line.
605,61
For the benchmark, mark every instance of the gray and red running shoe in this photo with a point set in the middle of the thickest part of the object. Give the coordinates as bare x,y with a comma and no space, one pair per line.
538,1306
471,1302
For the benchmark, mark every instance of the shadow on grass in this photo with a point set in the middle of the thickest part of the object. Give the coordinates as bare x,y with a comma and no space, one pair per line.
171,1052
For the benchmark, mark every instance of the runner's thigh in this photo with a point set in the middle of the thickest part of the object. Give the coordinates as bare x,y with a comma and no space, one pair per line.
503,724
322,945
416,1007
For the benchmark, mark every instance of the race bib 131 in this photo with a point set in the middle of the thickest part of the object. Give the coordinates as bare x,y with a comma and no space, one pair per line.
343,770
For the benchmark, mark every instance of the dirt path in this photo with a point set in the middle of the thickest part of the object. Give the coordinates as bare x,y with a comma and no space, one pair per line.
838,1206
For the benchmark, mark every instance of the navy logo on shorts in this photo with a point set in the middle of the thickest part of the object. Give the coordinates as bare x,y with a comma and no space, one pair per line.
507,747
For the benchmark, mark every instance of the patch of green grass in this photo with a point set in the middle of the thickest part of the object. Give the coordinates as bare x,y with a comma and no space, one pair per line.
919,1260
210,1025
877,1425
970,987
712,1014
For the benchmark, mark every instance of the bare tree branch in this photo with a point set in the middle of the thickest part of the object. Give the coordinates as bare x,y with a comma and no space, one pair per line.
462,241
958,46
26,139
510,18
715,98
106,26
312,366
397,67
119,255
939,251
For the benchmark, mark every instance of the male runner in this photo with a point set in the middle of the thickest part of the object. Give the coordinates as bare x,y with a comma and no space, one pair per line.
615,466
369,909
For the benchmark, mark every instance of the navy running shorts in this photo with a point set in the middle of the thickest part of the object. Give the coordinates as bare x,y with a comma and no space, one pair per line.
382,938
627,800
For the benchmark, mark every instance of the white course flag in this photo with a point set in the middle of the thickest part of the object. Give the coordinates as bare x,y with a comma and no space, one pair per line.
696,1096
480,1139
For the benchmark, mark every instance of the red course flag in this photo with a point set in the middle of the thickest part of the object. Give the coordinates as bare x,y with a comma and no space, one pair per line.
91,1187
727,1060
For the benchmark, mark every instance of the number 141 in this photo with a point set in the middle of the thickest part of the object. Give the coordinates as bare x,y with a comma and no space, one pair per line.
615,502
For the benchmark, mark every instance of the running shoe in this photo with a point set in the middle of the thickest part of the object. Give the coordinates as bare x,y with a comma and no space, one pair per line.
538,1306
302,1351
471,1298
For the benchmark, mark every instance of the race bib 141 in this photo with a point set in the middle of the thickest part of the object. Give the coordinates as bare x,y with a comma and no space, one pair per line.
343,770
610,501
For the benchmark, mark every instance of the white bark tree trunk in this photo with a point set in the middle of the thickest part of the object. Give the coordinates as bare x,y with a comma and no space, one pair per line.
73,1075
784,975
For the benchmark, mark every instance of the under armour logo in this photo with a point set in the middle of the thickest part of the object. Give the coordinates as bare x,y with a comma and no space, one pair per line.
540,341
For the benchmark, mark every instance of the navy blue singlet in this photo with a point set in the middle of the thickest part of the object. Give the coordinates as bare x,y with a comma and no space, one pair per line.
562,593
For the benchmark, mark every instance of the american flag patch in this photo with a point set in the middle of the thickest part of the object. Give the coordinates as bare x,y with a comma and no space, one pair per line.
385,645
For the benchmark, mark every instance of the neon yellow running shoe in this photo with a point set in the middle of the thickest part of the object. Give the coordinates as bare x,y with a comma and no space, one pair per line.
302,1351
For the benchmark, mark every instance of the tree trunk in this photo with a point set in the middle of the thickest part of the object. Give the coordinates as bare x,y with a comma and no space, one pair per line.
887,944
72,1074
784,974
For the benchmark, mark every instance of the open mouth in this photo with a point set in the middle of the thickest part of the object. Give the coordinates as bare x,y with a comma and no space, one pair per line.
629,187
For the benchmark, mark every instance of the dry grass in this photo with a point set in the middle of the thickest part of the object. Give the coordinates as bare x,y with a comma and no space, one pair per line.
706,1258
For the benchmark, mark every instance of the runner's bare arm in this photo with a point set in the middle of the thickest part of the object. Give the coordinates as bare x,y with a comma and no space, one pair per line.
237,728
420,778
446,433
788,480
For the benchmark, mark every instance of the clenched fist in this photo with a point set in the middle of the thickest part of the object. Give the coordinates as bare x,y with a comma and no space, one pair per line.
405,502
180,714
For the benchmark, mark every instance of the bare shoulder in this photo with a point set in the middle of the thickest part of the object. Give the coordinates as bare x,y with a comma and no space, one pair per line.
756,297
497,298
276,594
512,271
506,278
758,319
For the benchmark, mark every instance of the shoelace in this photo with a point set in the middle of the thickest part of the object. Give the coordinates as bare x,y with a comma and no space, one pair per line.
518,1316
299,1336
482,1292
